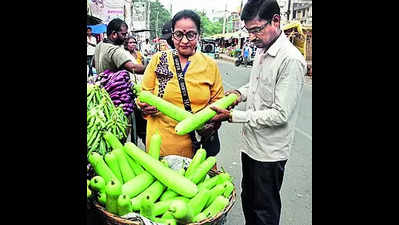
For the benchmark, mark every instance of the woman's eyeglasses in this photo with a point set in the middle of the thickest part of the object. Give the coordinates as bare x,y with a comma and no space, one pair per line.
178,35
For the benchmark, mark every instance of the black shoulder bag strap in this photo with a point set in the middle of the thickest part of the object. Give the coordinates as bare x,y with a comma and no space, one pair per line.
186,100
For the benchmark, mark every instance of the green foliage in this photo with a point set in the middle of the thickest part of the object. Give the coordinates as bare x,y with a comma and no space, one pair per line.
209,28
157,9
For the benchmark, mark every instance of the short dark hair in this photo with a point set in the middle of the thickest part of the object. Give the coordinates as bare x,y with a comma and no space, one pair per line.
89,28
167,33
263,9
186,13
115,25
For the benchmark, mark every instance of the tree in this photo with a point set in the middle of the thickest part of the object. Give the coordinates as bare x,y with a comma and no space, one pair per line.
209,28
157,10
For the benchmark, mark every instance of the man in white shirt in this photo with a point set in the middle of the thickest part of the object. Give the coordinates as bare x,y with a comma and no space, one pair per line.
91,46
146,47
272,99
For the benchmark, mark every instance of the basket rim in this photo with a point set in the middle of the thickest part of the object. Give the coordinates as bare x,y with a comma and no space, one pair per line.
119,219
114,216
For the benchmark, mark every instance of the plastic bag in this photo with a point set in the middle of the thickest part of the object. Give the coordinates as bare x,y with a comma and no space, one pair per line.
177,162
132,216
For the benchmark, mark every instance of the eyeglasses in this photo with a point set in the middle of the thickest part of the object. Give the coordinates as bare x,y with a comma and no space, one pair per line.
255,30
178,35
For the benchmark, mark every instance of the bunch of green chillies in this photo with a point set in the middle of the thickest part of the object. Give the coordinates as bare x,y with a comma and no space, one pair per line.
103,115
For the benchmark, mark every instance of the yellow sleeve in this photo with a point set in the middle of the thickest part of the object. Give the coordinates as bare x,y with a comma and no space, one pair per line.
217,91
139,57
149,78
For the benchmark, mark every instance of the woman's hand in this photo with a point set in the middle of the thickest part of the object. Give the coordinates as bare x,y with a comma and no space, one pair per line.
147,109
209,128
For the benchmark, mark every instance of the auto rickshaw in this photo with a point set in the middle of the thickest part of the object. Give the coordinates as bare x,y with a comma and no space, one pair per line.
300,39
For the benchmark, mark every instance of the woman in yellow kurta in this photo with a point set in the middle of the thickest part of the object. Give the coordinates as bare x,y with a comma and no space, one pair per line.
202,78
131,46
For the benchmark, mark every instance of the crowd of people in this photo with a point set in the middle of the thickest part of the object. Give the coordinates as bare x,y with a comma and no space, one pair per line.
181,74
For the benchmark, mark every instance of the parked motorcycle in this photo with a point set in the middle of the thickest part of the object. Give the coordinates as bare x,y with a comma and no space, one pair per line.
240,60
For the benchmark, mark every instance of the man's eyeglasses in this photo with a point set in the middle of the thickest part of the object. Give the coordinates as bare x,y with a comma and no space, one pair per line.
178,35
255,30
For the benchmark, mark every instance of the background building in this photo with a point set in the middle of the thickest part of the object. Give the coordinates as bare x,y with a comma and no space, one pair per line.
106,10
302,12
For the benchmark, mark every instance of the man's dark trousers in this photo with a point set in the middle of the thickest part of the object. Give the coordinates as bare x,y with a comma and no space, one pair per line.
89,63
260,196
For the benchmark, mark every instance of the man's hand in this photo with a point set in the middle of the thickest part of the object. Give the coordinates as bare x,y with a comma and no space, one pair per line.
134,68
238,100
147,109
91,44
221,114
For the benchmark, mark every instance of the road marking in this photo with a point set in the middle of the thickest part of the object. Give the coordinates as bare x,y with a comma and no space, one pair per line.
304,133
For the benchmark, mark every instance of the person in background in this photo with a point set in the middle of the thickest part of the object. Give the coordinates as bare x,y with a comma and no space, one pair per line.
246,53
166,41
272,98
91,46
137,57
110,55
202,80
146,47
130,45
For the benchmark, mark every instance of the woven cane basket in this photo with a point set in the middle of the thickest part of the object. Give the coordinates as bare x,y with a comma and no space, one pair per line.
112,219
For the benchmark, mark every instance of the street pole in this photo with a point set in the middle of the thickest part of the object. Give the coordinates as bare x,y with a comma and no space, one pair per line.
171,3
156,26
148,25
289,10
224,18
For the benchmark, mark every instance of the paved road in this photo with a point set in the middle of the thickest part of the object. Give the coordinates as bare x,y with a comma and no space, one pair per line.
296,190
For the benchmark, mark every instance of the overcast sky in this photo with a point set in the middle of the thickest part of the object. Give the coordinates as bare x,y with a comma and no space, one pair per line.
201,4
